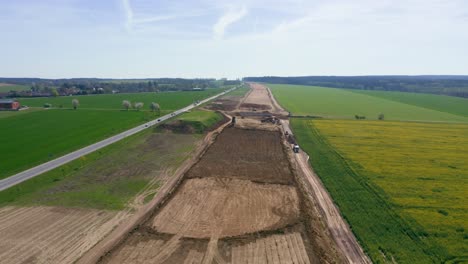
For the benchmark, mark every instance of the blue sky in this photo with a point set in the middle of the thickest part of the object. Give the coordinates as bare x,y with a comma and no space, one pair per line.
219,38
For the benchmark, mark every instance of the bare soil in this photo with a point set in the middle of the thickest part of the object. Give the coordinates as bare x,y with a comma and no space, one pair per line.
225,104
234,206
51,234
177,126
227,207
259,97
254,155
255,106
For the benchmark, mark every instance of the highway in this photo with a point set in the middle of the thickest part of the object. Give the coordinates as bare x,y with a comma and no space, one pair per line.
40,169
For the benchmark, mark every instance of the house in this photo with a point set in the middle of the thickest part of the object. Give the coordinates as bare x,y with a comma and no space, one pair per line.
9,104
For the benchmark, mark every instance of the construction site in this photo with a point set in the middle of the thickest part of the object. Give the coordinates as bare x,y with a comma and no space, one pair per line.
245,194
242,199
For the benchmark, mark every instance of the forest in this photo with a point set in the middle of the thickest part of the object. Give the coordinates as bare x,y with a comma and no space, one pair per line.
453,85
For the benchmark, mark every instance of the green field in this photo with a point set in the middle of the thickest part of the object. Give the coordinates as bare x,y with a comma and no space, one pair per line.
36,137
5,114
345,104
5,88
166,100
442,103
32,137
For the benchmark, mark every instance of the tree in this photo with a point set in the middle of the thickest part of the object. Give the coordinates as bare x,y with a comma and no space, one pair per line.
75,103
154,106
126,104
54,92
138,106
381,117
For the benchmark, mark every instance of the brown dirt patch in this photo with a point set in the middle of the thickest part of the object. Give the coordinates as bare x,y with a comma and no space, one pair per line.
258,97
224,104
289,247
254,155
51,234
177,126
227,207
255,106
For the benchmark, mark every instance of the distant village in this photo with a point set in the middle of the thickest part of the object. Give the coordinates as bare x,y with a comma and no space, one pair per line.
67,87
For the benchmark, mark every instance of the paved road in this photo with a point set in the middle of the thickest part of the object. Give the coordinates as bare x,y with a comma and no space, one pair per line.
38,170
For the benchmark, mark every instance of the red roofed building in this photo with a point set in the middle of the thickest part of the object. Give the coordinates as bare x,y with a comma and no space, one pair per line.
8,104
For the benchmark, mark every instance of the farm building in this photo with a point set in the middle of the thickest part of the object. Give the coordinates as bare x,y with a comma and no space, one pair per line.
8,104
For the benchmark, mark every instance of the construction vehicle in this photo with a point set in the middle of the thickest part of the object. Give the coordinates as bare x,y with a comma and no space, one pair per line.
296,148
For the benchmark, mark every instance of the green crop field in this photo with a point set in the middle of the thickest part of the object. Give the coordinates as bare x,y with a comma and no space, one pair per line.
5,88
345,104
32,137
5,114
36,137
166,100
442,103
401,185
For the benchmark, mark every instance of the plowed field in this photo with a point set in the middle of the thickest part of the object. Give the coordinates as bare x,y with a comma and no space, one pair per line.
51,234
254,155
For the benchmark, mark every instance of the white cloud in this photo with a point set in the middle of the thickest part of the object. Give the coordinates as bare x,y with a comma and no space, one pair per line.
128,14
227,19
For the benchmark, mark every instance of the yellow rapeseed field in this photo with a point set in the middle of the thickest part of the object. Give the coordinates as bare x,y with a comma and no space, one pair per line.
422,168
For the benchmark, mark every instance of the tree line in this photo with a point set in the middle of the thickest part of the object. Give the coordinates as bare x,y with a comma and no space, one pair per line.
83,86
126,104
436,84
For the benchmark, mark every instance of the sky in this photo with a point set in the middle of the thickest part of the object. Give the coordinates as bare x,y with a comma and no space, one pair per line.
233,39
